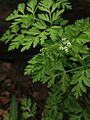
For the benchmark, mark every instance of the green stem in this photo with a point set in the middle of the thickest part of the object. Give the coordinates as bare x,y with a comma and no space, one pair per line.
50,19
75,69
70,70
36,8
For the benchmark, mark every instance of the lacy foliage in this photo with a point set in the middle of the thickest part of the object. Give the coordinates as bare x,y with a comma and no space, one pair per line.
63,61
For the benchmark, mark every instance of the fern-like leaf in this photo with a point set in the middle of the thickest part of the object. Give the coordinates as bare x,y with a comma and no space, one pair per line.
21,7
44,17
57,14
31,4
80,80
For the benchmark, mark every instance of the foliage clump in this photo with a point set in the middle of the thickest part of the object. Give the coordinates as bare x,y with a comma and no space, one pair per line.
63,61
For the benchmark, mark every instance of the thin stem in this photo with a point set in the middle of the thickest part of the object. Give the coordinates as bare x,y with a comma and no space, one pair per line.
50,18
69,71
36,8
74,69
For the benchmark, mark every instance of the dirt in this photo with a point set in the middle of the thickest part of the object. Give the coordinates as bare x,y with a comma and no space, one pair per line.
12,64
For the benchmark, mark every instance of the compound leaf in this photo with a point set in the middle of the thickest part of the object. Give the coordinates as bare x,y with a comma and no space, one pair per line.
31,5
57,14
13,15
21,7
44,17
40,25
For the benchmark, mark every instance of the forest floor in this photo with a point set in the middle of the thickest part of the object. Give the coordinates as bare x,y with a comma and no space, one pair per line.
12,64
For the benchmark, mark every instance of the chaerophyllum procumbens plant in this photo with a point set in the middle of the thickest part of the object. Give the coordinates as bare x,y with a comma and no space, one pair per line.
63,62
29,110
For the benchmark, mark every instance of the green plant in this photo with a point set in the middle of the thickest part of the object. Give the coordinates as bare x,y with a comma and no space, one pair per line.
28,110
64,106
63,61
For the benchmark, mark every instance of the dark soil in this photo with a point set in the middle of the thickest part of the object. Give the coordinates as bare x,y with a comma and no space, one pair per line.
12,64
